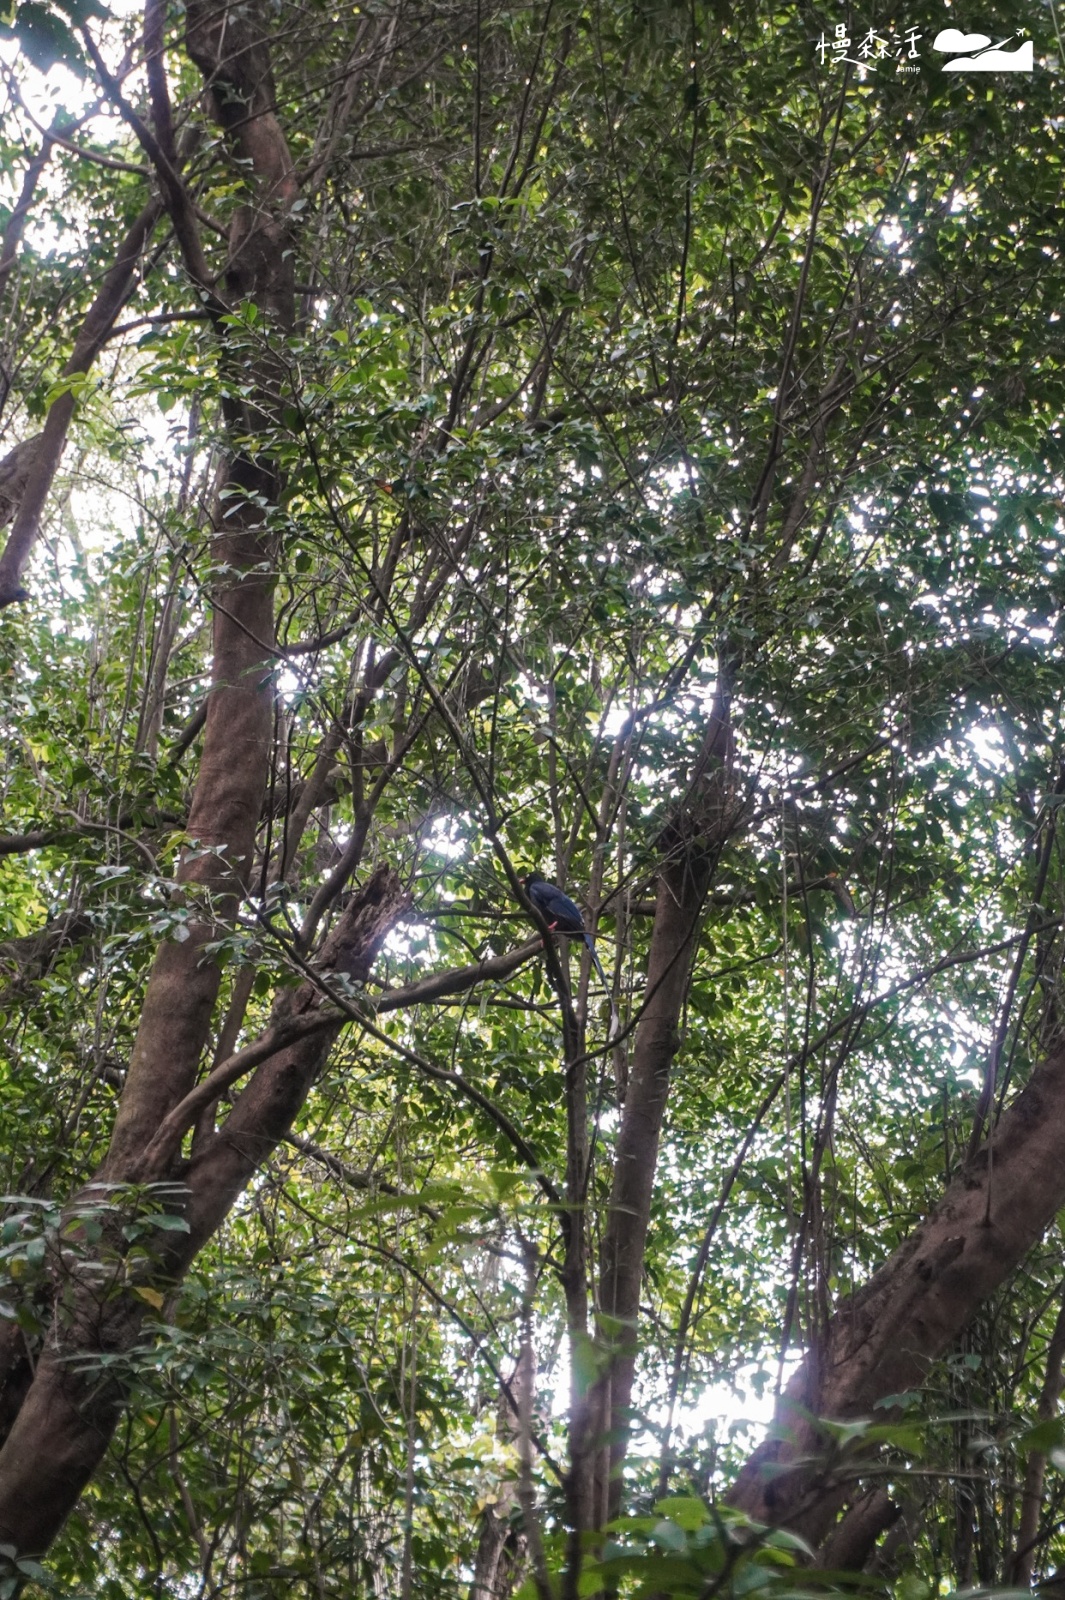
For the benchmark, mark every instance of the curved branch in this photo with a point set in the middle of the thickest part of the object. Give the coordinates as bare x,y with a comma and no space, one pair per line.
183,1116
459,979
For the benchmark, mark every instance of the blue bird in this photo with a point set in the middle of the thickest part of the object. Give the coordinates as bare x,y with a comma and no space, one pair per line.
563,916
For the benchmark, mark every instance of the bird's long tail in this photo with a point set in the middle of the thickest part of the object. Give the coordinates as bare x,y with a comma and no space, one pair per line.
615,1020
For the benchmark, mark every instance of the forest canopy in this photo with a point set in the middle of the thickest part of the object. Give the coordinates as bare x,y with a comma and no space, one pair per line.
448,440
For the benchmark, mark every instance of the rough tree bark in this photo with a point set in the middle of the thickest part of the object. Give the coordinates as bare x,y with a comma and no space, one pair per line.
882,1340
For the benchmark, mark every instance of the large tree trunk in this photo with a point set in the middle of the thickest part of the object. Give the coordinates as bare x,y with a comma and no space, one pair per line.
61,1416
882,1340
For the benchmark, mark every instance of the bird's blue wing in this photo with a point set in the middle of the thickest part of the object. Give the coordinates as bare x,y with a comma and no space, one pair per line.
560,908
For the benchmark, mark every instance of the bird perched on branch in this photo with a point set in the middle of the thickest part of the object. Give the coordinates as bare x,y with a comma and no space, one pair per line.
563,916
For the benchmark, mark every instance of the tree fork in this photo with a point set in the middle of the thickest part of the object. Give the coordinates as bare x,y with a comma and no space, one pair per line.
69,1411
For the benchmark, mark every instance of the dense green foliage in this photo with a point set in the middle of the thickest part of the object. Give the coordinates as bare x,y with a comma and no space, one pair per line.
633,340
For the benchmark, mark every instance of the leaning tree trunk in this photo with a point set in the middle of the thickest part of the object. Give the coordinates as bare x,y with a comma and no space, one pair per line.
70,1409
882,1340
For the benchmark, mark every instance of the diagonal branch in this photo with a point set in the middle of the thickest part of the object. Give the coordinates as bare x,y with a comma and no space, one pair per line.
44,460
